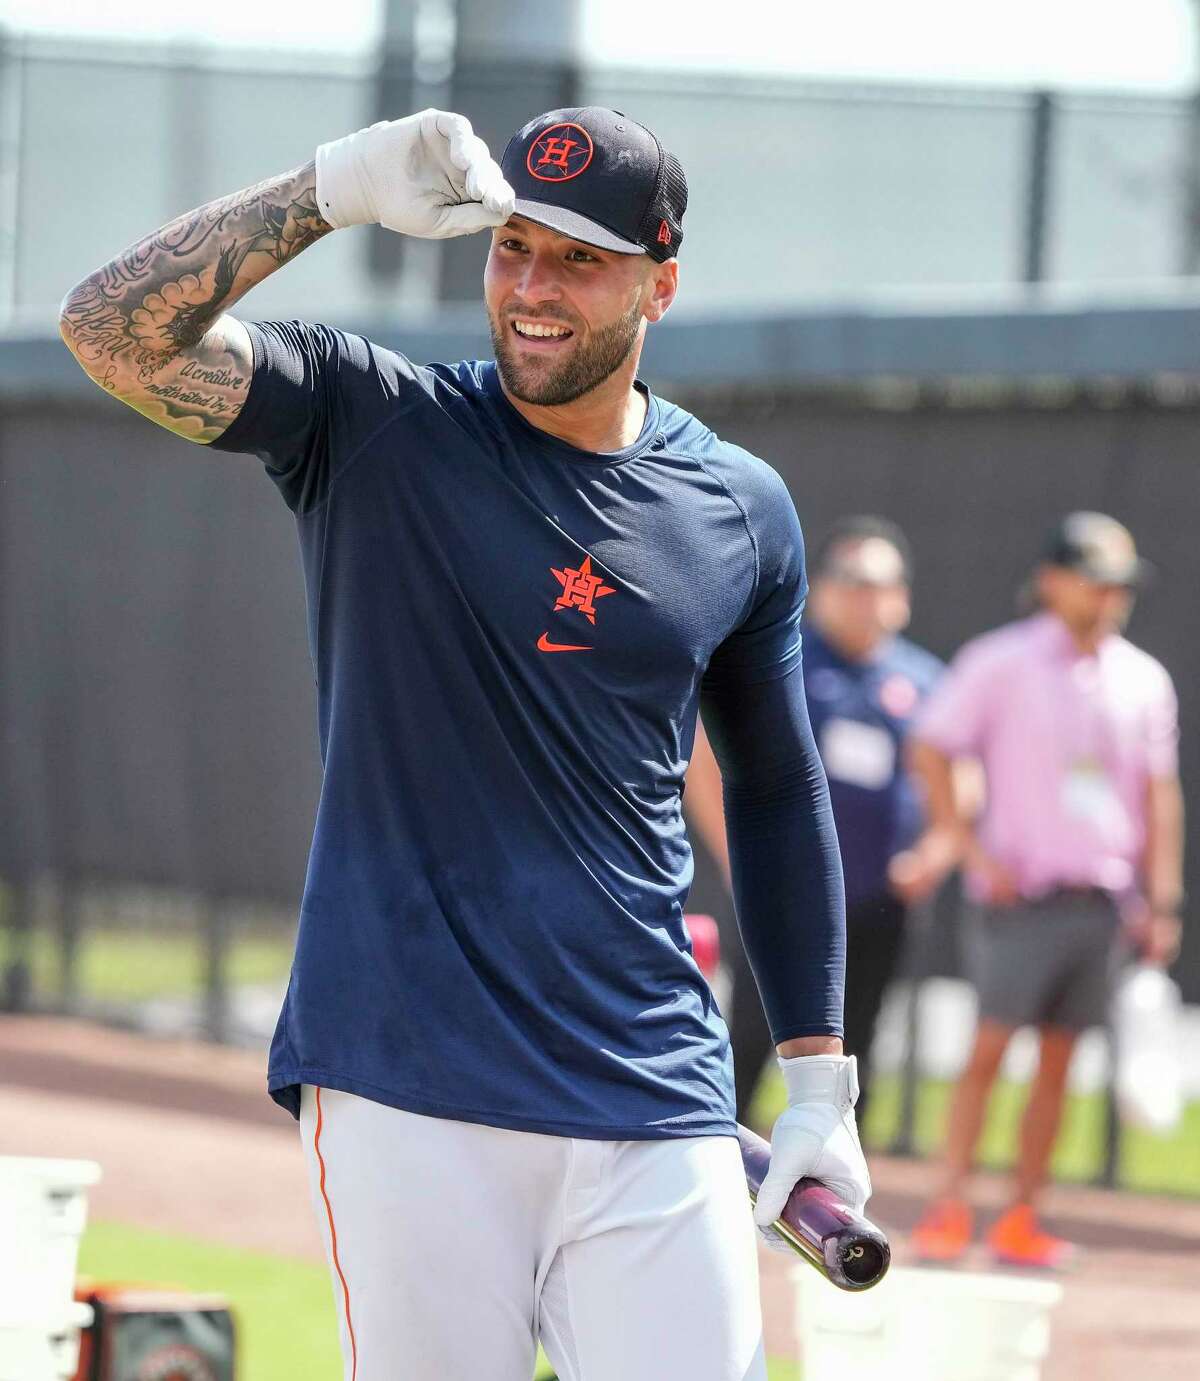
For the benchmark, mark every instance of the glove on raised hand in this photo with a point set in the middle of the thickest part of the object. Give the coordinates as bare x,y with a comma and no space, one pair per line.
426,175
815,1135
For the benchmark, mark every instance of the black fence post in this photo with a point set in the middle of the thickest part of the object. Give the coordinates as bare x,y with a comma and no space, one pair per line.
917,965
1043,115
214,919
393,98
70,903
1109,1172
16,982
1189,260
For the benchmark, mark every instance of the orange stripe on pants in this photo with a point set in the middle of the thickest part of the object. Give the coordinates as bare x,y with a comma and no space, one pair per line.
337,1265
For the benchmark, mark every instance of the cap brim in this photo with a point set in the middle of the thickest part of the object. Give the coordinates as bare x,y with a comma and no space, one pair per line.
1134,577
1139,577
572,224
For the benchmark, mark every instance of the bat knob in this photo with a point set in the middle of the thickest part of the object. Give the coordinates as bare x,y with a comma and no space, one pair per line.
862,1263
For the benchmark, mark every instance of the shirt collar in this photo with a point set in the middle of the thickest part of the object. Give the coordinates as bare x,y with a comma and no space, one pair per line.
1055,637
490,377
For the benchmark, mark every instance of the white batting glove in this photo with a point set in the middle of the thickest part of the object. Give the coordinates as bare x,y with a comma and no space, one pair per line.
814,1135
426,175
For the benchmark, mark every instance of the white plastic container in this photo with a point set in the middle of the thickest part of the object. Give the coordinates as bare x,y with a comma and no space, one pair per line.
928,1325
44,1353
43,1211
1147,1010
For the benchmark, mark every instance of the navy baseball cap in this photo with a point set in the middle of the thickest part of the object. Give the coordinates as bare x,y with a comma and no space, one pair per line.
596,175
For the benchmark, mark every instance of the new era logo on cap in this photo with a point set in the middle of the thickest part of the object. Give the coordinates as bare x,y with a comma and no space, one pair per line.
600,177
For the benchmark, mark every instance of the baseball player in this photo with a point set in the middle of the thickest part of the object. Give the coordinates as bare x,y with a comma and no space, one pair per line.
524,577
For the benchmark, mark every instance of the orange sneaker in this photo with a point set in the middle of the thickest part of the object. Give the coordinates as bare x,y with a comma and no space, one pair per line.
1016,1240
944,1232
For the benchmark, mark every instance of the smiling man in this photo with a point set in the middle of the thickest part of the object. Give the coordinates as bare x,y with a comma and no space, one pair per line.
524,577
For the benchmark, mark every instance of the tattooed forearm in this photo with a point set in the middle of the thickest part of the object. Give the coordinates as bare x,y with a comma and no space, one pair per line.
141,325
213,404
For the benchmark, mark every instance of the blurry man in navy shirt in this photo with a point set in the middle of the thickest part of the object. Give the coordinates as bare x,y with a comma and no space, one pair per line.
864,684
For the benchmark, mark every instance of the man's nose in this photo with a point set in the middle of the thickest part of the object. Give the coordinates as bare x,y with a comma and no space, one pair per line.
539,278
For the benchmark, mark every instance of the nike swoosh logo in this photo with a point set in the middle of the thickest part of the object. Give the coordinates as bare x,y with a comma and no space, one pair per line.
545,645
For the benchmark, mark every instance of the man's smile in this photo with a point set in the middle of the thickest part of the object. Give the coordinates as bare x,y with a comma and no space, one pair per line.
540,335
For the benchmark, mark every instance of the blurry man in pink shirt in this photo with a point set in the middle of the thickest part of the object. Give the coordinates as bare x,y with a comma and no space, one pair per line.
1076,856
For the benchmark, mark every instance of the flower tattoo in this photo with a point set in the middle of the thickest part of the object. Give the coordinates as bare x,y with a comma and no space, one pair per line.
181,311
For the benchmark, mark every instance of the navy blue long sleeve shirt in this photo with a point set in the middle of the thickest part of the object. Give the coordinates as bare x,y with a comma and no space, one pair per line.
509,637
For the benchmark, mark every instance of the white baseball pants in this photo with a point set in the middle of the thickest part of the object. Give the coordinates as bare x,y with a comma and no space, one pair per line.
455,1248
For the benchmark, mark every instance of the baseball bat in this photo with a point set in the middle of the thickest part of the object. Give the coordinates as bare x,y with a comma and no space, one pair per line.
848,1249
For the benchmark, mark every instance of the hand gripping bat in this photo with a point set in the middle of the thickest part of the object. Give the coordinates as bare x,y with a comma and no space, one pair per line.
848,1249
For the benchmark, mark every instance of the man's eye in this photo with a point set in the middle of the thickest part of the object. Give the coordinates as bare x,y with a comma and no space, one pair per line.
581,256
511,244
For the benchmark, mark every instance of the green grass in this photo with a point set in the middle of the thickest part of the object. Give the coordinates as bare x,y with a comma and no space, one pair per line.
132,965
284,1310
1169,1165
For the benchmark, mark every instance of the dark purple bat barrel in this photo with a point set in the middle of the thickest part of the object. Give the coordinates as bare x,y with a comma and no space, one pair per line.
846,1247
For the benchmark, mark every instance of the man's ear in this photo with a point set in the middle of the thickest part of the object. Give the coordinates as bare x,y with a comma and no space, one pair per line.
662,285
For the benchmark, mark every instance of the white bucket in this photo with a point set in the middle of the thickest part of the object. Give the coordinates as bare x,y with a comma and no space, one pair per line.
44,1353
43,1210
928,1325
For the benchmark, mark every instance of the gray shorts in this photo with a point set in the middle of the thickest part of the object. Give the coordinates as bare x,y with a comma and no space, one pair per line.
1051,962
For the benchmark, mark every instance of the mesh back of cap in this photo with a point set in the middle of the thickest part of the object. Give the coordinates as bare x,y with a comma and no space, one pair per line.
668,204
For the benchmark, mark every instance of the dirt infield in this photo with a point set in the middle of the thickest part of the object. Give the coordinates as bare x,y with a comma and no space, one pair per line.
190,1143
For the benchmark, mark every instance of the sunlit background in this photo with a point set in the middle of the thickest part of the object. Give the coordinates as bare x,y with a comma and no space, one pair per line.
1148,47
831,149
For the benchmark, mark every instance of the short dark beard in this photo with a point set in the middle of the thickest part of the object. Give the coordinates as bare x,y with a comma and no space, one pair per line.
584,370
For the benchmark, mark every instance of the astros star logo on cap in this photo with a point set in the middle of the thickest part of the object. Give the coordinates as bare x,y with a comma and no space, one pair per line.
560,153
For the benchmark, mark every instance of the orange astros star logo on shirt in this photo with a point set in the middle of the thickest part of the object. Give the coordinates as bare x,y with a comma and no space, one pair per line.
580,589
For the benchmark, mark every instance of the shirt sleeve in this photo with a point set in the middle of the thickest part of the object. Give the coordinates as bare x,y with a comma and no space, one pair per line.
955,716
316,393
1162,731
766,643
783,848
